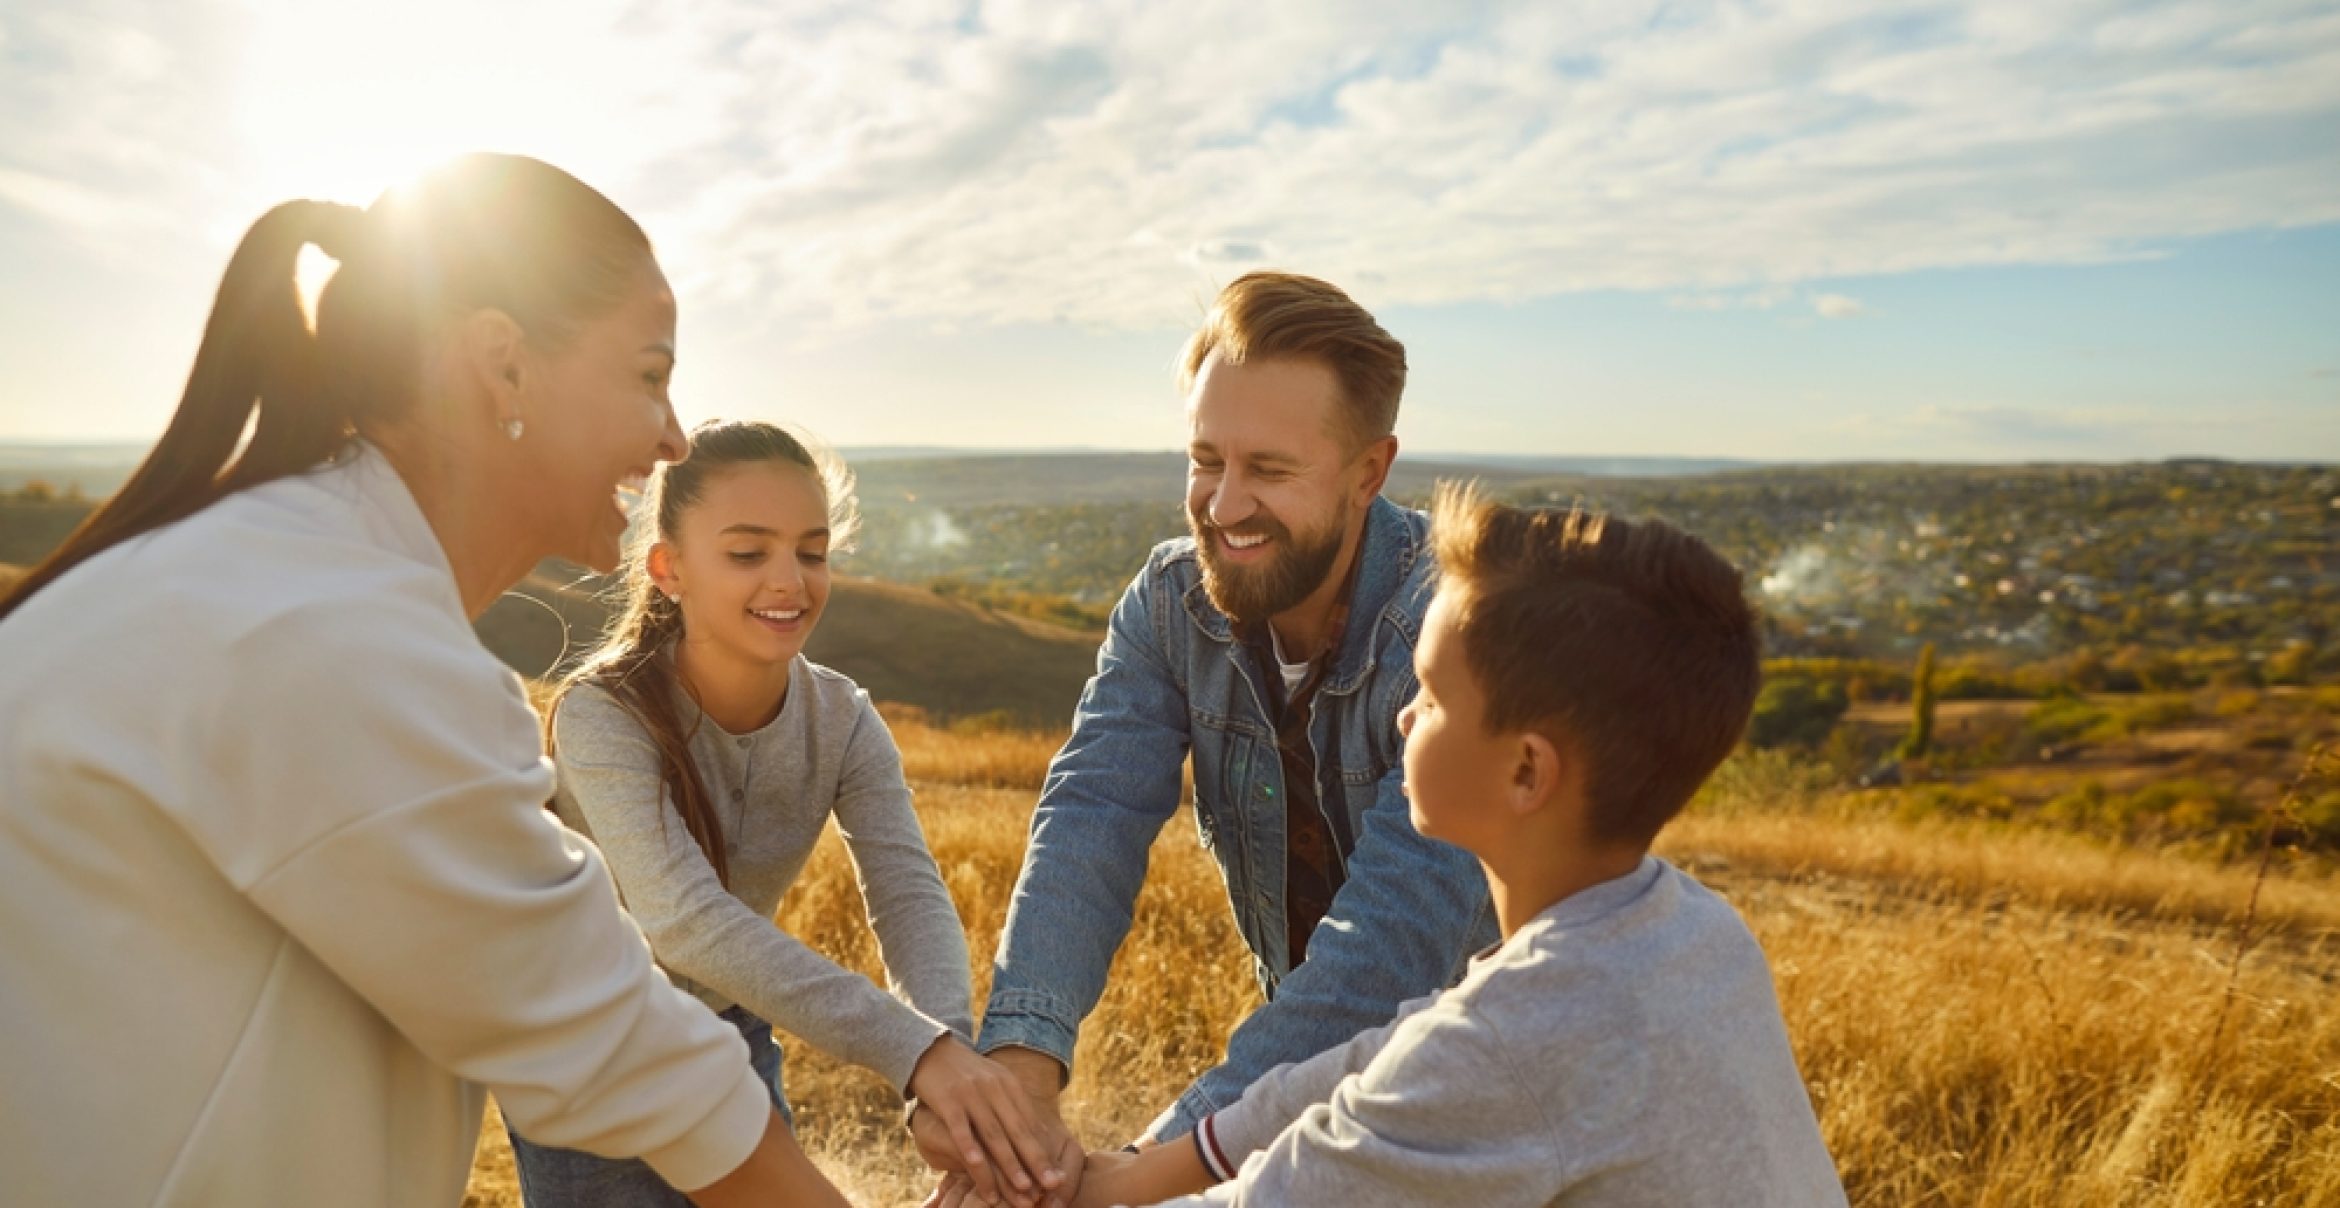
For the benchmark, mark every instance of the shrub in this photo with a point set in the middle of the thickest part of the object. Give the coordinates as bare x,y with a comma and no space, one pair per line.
2063,717
2237,703
1794,711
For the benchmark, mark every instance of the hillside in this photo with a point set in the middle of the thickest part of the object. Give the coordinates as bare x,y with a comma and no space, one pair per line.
952,658
949,477
903,644
1102,478
1982,1017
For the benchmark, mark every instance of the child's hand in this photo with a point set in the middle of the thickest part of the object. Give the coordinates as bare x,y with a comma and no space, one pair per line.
1105,1180
1161,1172
989,1124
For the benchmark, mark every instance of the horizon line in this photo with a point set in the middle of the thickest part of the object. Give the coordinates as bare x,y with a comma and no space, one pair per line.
883,452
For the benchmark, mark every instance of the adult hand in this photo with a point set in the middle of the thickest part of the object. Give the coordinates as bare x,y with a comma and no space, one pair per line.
988,1124
1043,1080
1042,1076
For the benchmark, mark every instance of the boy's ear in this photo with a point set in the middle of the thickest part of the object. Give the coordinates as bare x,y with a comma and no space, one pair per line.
1536,775
660,563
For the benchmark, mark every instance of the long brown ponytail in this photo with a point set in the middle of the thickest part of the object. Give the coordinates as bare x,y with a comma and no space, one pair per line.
485,231
635,661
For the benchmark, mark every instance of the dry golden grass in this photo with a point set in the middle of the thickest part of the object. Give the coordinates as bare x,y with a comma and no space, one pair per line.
1989,1019
998,759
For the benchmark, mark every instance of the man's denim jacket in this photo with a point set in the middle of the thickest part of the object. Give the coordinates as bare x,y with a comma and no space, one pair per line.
1172,677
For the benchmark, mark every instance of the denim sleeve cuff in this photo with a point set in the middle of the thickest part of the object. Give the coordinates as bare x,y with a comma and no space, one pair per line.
1180,1118
1029,1019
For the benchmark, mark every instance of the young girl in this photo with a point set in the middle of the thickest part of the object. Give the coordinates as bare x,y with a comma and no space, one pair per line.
702,752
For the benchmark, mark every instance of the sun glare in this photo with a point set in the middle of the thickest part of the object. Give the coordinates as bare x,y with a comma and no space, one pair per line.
343,101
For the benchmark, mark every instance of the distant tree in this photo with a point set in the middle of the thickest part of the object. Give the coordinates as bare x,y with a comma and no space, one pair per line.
36,491
2086,671
1921,708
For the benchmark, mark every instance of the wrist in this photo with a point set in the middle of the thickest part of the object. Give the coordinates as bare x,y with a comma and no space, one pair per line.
1175,1170
1042,1076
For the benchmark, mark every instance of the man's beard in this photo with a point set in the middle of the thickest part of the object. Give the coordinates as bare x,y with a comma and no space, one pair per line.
1294,568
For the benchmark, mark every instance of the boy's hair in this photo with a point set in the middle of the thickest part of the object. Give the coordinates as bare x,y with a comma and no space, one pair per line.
1269,315
1629,644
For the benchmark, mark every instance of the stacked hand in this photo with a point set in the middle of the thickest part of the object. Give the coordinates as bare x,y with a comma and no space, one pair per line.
1108,1178
993,1128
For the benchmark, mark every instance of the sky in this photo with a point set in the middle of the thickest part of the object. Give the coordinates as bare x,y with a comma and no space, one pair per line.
1948,230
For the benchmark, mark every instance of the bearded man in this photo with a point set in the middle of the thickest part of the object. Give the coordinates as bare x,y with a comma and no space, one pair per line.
1275,647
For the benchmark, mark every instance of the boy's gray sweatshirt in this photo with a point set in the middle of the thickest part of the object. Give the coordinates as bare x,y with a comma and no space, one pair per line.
1623,1048
827,755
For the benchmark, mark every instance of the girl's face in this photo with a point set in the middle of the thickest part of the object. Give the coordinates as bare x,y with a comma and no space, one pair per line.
750,564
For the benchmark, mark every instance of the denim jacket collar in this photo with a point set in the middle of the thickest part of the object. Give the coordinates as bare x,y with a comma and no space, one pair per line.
1386,557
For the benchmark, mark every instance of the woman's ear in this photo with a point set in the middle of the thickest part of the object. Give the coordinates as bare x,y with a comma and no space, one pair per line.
494,358
659,561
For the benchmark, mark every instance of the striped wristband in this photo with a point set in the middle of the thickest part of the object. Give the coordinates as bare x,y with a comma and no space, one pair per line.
1206,1144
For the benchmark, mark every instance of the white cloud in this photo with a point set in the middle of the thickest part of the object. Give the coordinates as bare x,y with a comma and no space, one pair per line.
1766,298
1836,306
1111,163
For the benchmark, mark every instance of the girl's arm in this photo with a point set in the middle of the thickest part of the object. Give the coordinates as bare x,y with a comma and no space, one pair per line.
696,928
924,947
919,935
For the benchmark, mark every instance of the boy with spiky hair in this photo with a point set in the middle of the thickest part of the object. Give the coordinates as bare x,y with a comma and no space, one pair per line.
1581,676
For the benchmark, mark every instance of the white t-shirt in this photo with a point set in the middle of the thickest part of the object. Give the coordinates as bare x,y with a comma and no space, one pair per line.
1294,673
278,896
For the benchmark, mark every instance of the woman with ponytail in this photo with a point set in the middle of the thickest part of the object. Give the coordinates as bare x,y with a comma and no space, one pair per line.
278,902
703,754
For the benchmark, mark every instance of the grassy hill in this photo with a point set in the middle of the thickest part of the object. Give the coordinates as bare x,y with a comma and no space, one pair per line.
903,644
1094,478
1981,1017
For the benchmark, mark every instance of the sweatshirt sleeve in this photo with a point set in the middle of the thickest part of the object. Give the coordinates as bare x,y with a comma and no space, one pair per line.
388,786
1284,1093
920,938
610,770
1439,1116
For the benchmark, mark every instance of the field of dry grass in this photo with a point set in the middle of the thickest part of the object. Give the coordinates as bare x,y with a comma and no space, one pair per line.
1983,1018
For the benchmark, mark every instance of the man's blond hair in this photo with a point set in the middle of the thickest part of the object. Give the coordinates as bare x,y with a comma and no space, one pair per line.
1266,316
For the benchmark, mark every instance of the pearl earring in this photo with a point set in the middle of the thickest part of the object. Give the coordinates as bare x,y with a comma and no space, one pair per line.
513,428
